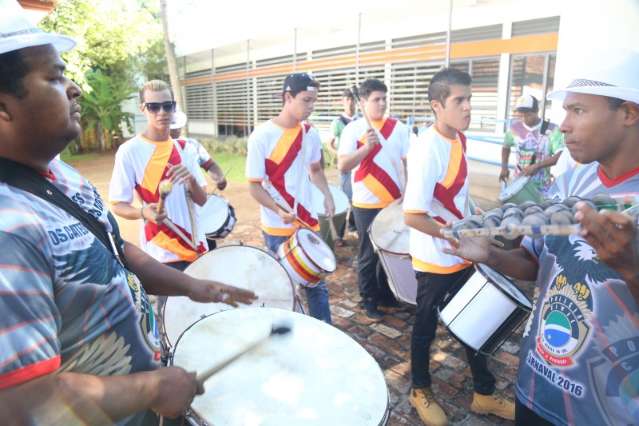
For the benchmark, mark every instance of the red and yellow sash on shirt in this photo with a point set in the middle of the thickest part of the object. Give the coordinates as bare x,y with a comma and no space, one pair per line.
164,156
278,163
372,175
453,182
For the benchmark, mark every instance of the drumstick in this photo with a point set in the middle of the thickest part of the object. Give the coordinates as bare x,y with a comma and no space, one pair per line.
279,330
164,188
514,231
192,218
179,233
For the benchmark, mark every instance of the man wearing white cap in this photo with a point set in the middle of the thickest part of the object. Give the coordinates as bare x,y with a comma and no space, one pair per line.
203,158
580,354
538,144
78,337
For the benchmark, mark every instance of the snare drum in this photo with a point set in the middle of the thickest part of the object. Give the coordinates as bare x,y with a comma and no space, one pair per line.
519,190
340,199
216,217
306,257
246,267
390,237
316,375
486,310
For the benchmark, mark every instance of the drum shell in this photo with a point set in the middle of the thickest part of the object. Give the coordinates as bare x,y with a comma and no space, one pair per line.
400,274
528,192
300,264
482,314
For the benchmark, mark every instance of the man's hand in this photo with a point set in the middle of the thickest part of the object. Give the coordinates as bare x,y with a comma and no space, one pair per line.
476,249
221,183
530,170
613,236
150,213
329,205
504,175
286,217
180,174
207,291
175,389
371,138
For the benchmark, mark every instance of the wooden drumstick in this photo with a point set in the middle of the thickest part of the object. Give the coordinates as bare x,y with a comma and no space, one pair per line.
276,330
192,218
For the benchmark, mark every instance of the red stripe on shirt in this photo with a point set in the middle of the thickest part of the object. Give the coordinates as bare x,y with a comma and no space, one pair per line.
446,196
29,372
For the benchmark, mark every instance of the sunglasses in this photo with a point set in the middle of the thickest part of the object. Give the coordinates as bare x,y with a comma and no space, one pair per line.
155,107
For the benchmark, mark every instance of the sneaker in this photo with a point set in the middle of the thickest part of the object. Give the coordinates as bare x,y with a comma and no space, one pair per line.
429,411
372,312
491,404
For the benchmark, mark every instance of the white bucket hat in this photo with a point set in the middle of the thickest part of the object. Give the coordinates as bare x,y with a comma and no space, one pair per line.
17,32
619,78
178,121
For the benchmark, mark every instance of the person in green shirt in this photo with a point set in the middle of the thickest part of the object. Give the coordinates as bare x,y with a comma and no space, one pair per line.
539,144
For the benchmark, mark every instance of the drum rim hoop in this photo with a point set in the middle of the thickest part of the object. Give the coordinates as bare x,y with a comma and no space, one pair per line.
297,244
378,248
478,268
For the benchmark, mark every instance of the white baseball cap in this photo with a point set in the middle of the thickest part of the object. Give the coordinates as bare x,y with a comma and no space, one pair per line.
17,32
618,78
178,121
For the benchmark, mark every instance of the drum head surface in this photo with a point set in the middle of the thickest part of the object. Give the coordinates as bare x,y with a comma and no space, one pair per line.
213,214
240,266
316,375
317,250
505,284
388,230
514,187
339,198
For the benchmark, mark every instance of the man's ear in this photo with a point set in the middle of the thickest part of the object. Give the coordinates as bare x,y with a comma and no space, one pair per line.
4,112
142,108
631,113
436,105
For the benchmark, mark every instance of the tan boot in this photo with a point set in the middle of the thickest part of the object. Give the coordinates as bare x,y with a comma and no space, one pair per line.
490,404
430,412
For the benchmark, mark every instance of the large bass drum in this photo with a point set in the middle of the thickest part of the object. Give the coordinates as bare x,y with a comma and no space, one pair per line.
315,376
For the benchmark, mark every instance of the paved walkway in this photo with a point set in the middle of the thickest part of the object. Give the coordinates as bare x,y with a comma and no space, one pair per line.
389,340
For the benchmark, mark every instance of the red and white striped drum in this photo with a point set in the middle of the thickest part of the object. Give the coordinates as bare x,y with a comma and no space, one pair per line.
306,257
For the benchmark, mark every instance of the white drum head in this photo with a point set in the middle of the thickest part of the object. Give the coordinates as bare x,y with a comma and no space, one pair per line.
514,187
316,375
317,250
213,214
505,284
339,198
245,267
388,230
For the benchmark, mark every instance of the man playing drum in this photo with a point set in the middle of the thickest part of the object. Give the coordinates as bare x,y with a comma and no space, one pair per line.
141,164
78,338
376,157
437,192
579,357
539,144
282,154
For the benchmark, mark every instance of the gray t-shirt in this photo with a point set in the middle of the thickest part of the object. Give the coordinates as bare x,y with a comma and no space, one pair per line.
580,354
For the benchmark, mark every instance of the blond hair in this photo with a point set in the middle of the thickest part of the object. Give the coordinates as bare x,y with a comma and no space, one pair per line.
155,86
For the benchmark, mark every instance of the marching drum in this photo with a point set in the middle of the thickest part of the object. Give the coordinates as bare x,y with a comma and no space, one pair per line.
519,190
216,217
246,267
486,310
315,375
340,199
389,236
306,257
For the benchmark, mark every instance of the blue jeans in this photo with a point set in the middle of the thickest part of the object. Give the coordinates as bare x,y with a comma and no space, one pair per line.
317,297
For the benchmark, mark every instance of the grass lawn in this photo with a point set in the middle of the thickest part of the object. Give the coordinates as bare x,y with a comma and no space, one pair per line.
231,164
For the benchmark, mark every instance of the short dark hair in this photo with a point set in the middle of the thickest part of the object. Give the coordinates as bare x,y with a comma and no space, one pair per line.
369,86
348,93
614,103
439,87
13,69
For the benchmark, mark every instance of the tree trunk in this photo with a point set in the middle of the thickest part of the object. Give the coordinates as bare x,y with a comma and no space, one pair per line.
171,61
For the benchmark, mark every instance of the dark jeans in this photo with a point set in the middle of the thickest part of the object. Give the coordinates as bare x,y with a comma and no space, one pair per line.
431,290
371,278
524,416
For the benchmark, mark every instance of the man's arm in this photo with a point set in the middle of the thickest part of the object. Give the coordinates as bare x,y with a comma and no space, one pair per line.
71,398
424,223
163,280
548,162
264,198
217,175
505,155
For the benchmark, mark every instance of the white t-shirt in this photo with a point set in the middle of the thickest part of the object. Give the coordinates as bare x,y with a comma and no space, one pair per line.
280,158
377,178
195,148
438,186
140,165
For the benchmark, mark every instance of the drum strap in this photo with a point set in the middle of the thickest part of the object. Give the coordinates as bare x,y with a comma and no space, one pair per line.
25,178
